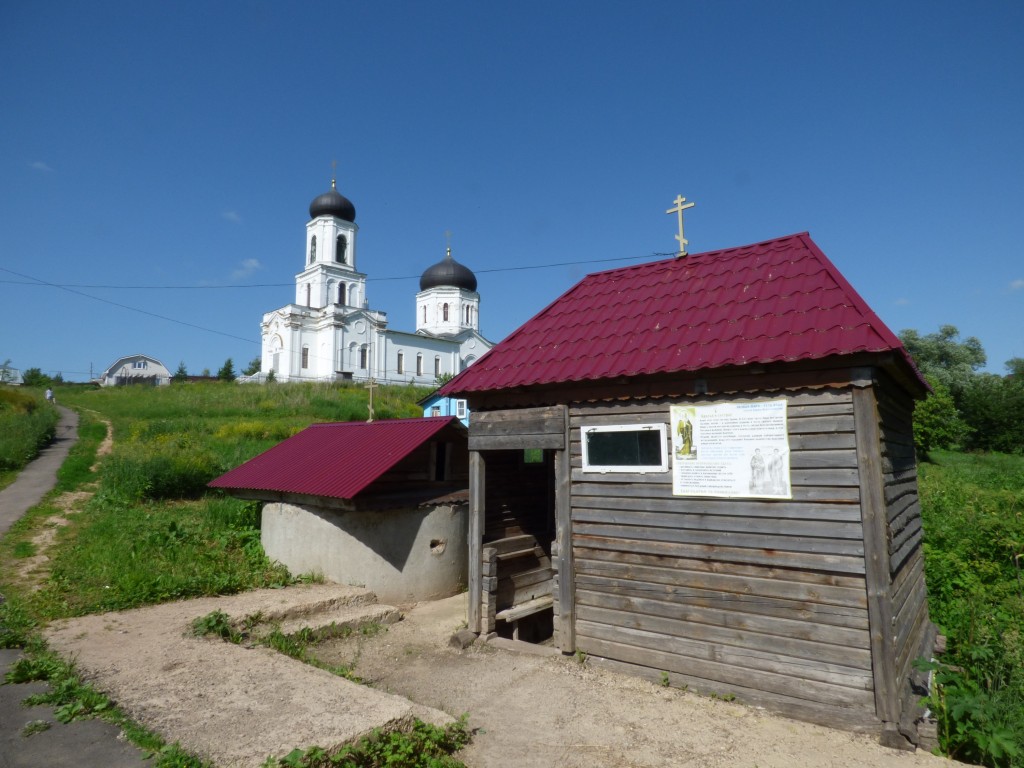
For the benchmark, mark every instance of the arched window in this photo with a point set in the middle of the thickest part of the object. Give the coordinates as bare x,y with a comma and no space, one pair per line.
437,366
419,365
340,248
444,313
309,294
467,314
364,357
341,293
400,366
312,250
305,357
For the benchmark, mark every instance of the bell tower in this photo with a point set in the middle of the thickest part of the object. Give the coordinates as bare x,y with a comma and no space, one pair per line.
330,276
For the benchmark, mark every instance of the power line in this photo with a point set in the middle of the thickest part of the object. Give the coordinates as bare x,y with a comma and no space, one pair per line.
126,306
29,280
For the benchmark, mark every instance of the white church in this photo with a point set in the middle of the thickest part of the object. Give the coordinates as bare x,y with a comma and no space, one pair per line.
330,334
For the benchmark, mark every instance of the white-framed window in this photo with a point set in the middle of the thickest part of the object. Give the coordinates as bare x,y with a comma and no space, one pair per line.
364,357
305,357
140,364
435,410
444,313
419,365
400,365
460,408
312,249
437,366
625,448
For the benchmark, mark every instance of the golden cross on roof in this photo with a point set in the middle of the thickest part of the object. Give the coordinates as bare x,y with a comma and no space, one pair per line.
334,174
448,239
679,208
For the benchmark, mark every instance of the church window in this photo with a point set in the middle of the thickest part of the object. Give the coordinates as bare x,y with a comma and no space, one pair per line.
364,357
309,294
312,249
437,366
444,313
419,365
400,366
467,314
424,313
341,293
305,357
339,253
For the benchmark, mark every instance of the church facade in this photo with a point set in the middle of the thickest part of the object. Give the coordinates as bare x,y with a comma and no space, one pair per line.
330,333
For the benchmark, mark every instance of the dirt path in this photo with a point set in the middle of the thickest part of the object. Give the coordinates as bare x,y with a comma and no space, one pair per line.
553,711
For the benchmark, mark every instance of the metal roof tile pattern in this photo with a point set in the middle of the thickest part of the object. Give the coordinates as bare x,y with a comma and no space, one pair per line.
336,460
779,300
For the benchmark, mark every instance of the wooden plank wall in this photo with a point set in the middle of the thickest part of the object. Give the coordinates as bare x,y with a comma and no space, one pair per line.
913,630
764,599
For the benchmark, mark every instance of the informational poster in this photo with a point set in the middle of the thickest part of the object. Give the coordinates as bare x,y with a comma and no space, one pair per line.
731,450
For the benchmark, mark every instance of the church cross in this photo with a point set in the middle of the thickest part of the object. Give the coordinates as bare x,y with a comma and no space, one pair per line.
448,238
680,207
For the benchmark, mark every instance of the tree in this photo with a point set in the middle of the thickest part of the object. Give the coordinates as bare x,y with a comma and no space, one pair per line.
944,359
180,375
254,366
34,377
937,423
227,371
994,407
1015,365
271,378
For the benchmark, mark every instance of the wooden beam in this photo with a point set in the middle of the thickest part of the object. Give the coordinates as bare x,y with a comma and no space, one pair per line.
876,557
475,537
563,532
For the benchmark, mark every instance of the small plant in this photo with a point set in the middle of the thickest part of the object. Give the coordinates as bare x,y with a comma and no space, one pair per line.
33,727
665,682
425,746
581,656
216,623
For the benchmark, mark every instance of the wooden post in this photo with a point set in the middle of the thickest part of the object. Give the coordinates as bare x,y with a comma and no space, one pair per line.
475,537
876,557
563,534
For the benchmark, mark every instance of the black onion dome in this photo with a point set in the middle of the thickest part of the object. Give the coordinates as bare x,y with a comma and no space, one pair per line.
333,203
448,272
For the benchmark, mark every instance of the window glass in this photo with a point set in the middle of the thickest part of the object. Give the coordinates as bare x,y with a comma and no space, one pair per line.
625,448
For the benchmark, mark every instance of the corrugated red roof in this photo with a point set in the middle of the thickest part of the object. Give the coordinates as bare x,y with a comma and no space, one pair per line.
780,300
336,460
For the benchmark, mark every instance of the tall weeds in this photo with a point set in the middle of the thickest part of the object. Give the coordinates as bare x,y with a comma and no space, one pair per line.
973,510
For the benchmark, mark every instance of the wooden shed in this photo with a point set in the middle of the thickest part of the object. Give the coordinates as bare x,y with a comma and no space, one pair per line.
704,468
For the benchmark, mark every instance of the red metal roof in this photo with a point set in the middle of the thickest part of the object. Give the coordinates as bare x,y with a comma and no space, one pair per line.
780,300
336,460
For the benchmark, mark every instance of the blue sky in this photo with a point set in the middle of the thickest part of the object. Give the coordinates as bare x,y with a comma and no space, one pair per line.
165,156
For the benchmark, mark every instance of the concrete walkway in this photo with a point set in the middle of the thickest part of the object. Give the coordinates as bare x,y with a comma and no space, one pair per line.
40,476
32,736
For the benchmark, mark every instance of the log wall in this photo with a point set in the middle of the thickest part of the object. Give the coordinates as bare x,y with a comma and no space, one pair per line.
764,599
913,631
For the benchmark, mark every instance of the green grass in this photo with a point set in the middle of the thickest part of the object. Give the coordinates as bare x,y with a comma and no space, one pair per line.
973,515
27,424
151,532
